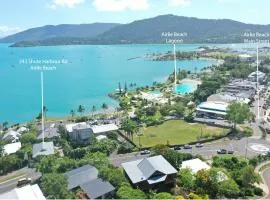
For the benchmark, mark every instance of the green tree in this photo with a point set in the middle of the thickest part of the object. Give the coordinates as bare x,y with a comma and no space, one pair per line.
249,176
228,189
185,179
163,195
129,127
28,138
5,124
114,175
55,186
45,110
81,109
105,107
94,109
72,113
127,192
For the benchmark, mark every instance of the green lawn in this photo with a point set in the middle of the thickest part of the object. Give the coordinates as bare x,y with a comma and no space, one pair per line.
176,132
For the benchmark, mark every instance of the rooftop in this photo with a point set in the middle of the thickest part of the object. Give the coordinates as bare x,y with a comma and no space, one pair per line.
12,148
49,133
214,106
29,192
104,128
195,165
11,133
81,175
70,127
97,188
40,149
144,169
227,97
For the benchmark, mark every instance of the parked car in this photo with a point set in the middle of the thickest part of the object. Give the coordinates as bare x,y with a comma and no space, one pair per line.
199,145
187,146
145,152
24,181
222,151
177,148
230,152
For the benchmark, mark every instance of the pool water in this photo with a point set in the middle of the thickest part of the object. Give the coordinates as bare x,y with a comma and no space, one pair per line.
185,88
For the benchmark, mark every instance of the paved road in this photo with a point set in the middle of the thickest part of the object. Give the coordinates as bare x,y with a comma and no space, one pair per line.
11,184
245,147
266,175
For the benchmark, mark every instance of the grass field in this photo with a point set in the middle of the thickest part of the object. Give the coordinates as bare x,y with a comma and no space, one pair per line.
176,132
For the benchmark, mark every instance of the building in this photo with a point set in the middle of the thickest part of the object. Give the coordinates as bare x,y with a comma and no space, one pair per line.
29,192
46,148
104,128
195,165
150,172
246,58
22,130
11,136
212,109
228,97
236,86
86,178
253,76
79,131
12,148
49,133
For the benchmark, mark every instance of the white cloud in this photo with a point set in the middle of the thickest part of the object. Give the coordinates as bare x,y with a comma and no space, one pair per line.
179,3
5,30
65,3
121,5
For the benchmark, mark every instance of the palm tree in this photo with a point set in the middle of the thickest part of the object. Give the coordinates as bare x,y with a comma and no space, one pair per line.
104,107
81,109
45,110
5,125
72,113
129,127
94,109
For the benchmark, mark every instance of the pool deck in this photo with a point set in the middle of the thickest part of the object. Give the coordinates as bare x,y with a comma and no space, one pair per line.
186,80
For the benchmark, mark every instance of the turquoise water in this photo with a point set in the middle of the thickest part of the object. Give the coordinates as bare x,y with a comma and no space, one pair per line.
155,92
91,73
185,88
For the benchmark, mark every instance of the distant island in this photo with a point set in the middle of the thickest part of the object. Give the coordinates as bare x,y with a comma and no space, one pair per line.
145,31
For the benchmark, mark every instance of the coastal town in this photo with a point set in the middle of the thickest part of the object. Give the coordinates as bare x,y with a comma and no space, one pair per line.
198,135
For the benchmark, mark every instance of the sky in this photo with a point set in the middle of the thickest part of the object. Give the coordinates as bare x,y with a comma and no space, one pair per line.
19,15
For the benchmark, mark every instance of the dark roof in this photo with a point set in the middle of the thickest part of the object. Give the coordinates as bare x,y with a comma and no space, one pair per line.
81,175
40,149
97,188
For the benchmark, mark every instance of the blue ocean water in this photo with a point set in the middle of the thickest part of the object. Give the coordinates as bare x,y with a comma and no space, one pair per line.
91,73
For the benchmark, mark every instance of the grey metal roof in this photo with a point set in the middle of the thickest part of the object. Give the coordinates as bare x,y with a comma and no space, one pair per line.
143,169
49,133
97,188
40,149
81,175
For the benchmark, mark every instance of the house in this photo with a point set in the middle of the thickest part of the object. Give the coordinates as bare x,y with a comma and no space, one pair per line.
150,172
46,148
29,192
253,76
22,130
104,128
12,148
79,131
195,165
11,136
212,109
49,133
86,178
246,58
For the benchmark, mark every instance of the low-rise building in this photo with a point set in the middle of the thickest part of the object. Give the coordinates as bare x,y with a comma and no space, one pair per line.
49,133
22,129
46,148
79,131
253,76
228,97
12,148
29,192
246,58
11,136
86,178
104,128
212,109
235,86
150,172
195,165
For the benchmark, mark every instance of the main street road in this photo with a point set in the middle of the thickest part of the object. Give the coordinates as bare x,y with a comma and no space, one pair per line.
11,182
245,147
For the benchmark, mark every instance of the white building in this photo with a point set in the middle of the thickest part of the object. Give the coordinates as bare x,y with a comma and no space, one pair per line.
212,109
29,192
227,97
12,148
11,136
104,128
79,131
246,58
22,129
195,165
253,76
